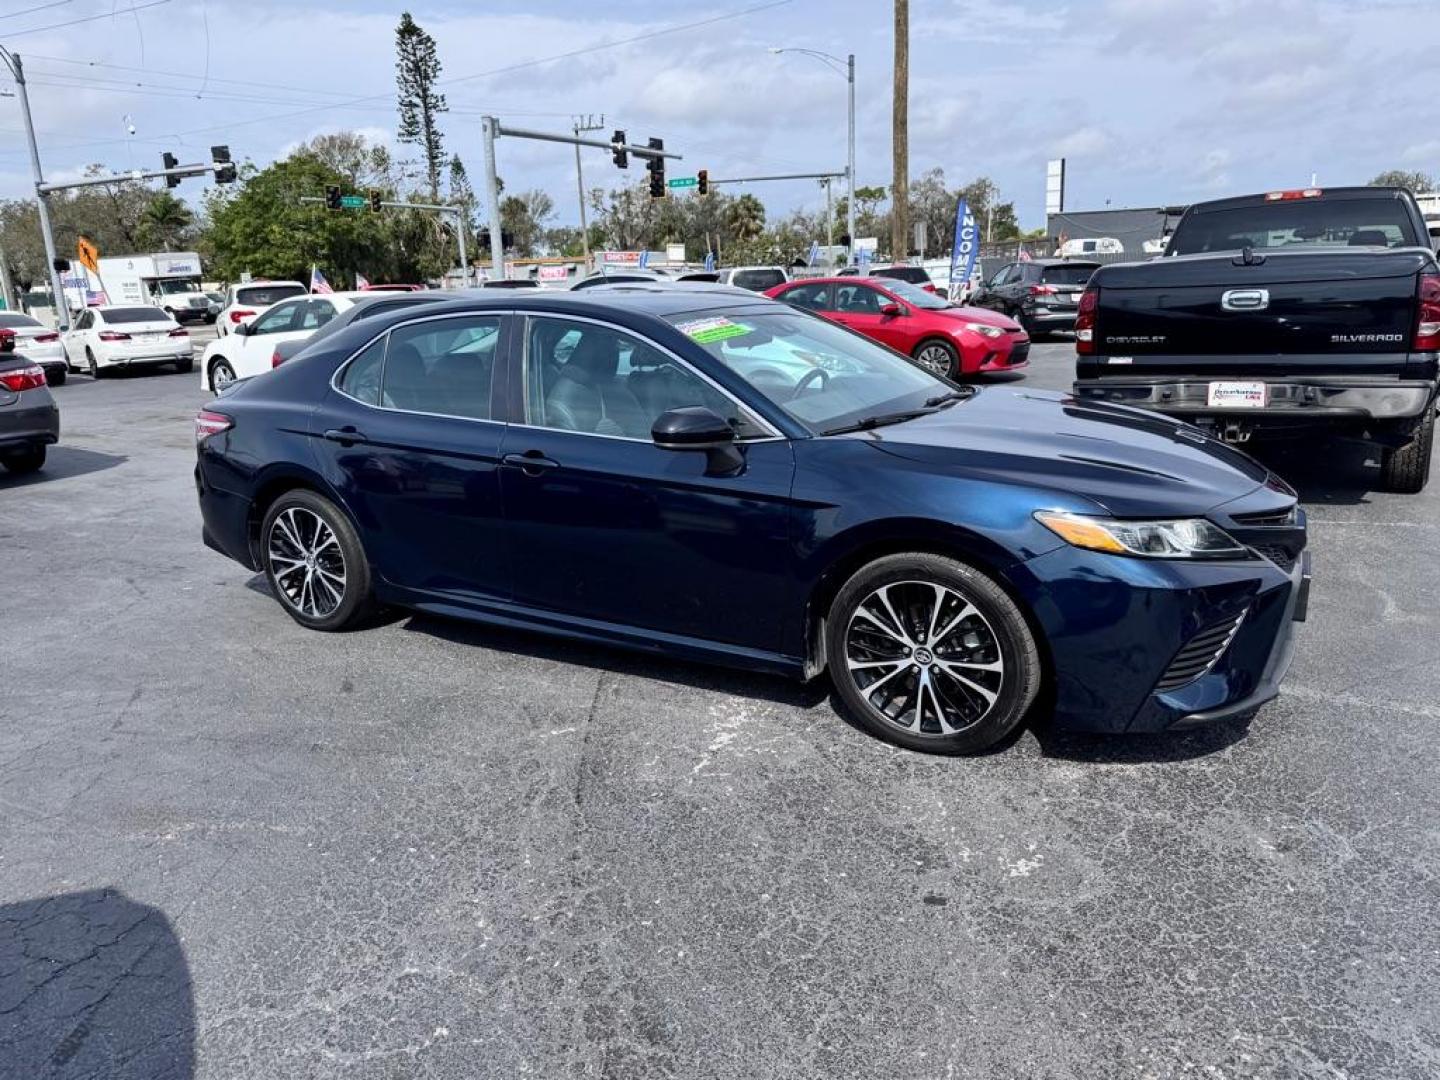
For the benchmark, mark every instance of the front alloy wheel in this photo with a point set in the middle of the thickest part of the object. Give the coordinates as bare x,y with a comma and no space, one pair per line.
932,654
316,566
222,375
938,358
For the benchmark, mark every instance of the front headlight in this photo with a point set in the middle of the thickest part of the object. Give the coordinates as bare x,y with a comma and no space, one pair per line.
983,330
1185,538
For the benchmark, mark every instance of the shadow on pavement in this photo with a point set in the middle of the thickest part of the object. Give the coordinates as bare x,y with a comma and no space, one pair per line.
1156,749
1340,474
62,462
93,984
683,673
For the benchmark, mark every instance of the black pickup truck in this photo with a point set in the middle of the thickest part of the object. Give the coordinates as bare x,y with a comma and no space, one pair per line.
1289,314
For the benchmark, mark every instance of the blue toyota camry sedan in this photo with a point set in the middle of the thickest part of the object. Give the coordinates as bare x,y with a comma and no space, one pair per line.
723,478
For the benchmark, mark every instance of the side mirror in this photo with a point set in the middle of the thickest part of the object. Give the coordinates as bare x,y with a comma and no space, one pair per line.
241,330
890,311
699,428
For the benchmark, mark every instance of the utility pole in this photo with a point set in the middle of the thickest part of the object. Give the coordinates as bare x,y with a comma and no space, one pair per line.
588,123
488,124
62,312
829,217
850,166
900,134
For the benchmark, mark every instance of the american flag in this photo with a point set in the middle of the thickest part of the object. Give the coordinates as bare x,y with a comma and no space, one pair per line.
318,284
361,281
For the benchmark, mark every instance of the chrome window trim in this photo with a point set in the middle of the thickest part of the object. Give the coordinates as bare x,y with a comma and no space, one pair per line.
772,436
345,366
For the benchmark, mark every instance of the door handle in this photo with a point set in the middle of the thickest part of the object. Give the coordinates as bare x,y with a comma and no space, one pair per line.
346,436
531,463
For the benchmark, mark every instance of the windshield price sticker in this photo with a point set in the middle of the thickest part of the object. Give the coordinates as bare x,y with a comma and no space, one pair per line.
706,331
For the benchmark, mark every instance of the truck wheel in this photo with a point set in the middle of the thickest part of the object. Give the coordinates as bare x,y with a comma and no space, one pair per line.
1406,470
24,461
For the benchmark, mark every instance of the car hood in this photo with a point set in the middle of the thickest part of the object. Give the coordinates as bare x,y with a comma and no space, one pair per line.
983,316
1131,463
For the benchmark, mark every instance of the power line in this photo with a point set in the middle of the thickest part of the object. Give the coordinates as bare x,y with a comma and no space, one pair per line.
37,7
85,19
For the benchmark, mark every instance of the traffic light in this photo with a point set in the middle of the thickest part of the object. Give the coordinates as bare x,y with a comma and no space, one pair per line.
62,266
656,168
702,182
332,197
376,201
617,142
224,169
169,161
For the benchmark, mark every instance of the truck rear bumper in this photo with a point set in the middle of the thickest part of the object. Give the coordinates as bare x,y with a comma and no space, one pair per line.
1295,399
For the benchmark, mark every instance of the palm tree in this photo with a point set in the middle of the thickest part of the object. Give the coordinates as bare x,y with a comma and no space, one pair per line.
164,220
746,217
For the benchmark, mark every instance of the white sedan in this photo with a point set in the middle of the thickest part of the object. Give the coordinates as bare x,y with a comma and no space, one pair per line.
36,342
122,336
249,348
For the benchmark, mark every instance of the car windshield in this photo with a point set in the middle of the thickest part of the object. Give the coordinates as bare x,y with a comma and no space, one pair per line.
1291,223
916,296
1067,275
171,287
265,295
11,319
821,374
134,315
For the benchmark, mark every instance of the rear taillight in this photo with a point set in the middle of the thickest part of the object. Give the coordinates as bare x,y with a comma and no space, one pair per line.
25,378
276,359
1085,321
238,316
209,423
46,339
1427,322
1298,193
1043,290
113,335
179,332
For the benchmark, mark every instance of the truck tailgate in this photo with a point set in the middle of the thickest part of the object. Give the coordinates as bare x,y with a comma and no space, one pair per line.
1326,311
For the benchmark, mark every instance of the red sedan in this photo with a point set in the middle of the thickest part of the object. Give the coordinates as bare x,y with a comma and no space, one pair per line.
952,341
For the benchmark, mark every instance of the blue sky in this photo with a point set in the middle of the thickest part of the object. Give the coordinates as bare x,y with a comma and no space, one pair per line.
1150,100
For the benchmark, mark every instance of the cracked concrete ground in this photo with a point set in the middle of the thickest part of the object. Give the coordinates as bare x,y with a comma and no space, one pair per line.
232,848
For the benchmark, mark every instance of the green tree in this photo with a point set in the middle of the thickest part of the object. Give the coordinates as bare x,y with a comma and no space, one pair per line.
1416,181
165,222
745,218
417,68
523,216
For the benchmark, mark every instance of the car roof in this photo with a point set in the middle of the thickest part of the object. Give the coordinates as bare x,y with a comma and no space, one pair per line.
1059,262
1332,193
638,298
844,279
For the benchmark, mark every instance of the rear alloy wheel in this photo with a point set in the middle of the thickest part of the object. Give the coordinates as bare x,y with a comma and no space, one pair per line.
90,360
938,358
1406,470
24,461
221,375
929,653
316,566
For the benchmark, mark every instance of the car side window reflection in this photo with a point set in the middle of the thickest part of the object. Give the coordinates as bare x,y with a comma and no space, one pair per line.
362,378
442,366
276,320
599,380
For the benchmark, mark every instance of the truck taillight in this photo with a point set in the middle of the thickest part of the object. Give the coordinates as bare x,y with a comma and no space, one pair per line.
209,423
1085,321
1042,290
1427,321
25,378
113,335
237,316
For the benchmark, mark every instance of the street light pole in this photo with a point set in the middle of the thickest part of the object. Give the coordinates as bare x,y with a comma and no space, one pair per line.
17,69
846,68
488,124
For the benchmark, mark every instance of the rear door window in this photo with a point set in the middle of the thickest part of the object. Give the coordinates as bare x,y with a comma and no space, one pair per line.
810,297
442,366
280,319
362,378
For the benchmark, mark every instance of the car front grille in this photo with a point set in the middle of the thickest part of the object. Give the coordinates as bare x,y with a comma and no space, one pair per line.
1267,518
1282,558
1200,653
1020,352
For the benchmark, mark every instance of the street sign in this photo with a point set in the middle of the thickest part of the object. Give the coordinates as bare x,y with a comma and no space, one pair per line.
682,181
354,202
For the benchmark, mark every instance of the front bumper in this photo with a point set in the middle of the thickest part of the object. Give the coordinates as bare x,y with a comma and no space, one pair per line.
1290,400
1114,624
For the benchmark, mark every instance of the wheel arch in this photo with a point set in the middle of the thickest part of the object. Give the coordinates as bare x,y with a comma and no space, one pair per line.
277,482
863,545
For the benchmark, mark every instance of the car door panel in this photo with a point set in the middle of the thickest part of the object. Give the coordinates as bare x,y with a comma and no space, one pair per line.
424,486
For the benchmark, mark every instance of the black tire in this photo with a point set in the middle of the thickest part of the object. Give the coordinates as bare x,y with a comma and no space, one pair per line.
57,378
1406,470
184,367
980,715
930,349
20,462
291,514
96,371
218,365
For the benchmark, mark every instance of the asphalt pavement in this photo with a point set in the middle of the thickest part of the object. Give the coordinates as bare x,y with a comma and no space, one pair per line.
233,848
